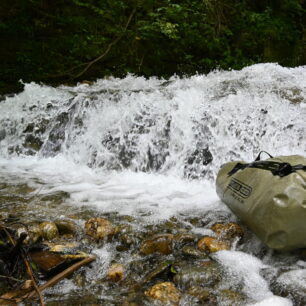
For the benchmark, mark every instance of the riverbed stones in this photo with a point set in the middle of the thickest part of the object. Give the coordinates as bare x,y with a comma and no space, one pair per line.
165,292
212,244
116,272
162,244
228,230
49,230
207,273
99,228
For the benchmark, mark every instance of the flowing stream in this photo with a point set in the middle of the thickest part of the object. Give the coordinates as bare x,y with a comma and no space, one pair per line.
149,150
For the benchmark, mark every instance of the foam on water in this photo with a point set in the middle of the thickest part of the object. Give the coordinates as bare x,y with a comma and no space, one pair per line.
130,145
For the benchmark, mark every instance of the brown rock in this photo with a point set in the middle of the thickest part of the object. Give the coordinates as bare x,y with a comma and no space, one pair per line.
228,230
158,244
49,230
99,228
115,272
165,292
211,244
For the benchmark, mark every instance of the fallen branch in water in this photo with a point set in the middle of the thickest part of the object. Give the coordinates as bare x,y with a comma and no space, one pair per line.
57,278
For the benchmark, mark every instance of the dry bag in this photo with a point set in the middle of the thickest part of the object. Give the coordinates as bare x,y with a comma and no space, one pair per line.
269,197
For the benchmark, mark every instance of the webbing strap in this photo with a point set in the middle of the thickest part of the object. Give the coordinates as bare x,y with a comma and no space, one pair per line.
276,168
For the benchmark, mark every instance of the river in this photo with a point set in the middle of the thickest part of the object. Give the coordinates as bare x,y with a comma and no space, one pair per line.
150,149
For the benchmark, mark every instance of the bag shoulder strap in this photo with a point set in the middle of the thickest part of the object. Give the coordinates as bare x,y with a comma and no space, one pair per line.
276,168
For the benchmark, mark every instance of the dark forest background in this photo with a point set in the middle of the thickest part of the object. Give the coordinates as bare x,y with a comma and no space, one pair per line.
65,41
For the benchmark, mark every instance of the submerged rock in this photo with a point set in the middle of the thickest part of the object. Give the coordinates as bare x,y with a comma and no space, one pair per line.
228,230
212,244
115,272
202,295
193,252
206,274
230,297
165,292
99,228
162,244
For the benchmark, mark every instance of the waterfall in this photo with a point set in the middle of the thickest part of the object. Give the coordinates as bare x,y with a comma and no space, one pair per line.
185,127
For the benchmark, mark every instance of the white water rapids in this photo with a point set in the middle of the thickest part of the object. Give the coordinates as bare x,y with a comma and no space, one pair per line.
152,148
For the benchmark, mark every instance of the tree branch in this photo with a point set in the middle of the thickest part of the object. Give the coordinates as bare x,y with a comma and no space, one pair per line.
89,64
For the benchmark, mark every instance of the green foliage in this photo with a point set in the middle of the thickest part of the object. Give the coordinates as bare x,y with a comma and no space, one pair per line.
51,41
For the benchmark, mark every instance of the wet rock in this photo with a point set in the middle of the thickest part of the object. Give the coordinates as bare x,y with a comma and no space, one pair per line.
66,227
99,228
196,162
205,274
160,269
165,292
228,230
291,284
162,244
32,142
183,238
2,134
34,233
115,272
126,235
211,244
190,251
29,128
230,297
49,230
203,295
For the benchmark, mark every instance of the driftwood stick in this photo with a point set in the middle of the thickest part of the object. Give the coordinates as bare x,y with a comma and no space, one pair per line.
59,277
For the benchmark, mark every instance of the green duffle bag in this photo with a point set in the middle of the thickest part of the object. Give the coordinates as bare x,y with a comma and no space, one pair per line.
269,197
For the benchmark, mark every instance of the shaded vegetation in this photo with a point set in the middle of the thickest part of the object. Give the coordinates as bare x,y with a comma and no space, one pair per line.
55,41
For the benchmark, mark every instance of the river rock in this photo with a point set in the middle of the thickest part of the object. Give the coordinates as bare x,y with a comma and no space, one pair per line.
49,230
32,142
205,274
160,269
115,272
203,295
212,244
230,297
34,232
162,244
190,251
165,292
66,227
228,230
99,228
